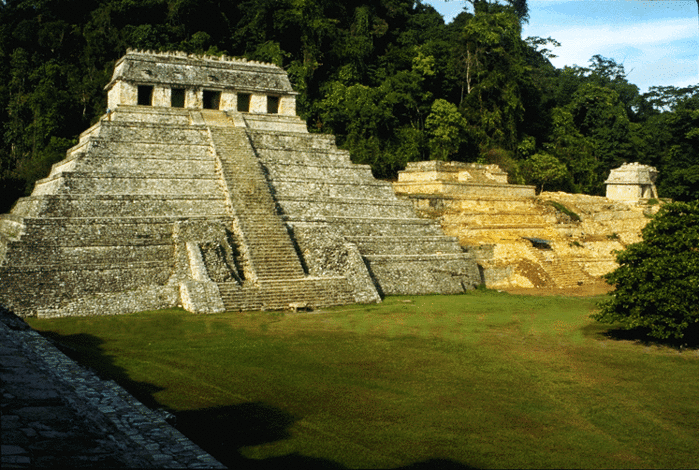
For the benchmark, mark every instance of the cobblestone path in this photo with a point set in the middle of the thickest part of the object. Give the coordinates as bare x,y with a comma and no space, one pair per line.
57,414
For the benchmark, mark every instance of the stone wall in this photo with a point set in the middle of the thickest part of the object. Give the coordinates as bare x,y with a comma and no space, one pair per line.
521,240
213,210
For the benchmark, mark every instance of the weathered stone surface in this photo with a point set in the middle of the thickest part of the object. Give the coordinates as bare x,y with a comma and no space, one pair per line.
496,223
164,203
632,182
57,414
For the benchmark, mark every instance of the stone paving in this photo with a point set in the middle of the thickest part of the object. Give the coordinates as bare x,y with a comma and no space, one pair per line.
58,414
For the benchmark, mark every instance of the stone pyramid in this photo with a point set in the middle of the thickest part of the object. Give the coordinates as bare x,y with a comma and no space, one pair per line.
201,187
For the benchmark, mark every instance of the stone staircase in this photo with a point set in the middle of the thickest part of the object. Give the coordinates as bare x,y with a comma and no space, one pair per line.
318,188
156,207
286,293
270,249
497,230
278,275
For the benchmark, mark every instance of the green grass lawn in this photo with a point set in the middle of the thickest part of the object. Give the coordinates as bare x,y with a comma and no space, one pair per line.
480,380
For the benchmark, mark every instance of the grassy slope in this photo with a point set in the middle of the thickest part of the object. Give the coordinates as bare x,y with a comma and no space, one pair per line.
484,379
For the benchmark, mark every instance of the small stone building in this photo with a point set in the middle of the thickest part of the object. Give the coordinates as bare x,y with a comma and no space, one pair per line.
519,239
226,84
632,182
202,188
472,179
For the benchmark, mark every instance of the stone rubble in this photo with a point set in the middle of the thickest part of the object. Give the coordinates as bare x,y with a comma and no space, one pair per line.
58,414
496,223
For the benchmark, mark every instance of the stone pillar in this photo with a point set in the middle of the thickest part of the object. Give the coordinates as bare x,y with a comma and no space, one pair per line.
287,105
194,98
122,93
258,104
161,96
229,101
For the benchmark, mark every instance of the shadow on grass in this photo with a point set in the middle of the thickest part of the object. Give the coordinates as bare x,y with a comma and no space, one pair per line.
86,350
220,431
690,341
223,431
640,335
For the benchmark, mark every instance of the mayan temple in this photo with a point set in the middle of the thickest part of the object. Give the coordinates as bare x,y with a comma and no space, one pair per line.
201,187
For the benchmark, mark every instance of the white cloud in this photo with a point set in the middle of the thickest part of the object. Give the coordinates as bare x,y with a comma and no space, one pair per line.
662,52
578,44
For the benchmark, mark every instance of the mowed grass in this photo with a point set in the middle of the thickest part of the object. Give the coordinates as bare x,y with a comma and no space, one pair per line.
480,380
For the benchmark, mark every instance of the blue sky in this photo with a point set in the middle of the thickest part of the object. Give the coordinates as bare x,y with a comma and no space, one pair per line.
657,41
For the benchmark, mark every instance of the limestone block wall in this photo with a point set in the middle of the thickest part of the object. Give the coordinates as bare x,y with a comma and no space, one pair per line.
497,228
161,96
316,185
287,105
258,103
229,101
627,192
193,98
96,236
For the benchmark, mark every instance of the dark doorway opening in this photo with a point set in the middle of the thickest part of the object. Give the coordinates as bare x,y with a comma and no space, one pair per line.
177,98
243,102
145,95
272,104
212,99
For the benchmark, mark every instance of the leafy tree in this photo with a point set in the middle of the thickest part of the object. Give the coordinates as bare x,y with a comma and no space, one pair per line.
496,74
447,129
657,281
674,134
544,169
575,150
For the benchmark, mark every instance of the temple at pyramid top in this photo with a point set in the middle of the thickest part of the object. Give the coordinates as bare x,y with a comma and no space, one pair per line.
180,80
202,188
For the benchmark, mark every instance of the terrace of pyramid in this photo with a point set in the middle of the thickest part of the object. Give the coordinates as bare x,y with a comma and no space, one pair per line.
201,187
522,240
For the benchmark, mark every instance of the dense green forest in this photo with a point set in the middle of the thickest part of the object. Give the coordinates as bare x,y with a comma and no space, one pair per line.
389,78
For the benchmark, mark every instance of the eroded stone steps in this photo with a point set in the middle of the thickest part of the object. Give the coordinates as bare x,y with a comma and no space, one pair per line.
77,183
377,227
136,165
292,140
305,207
279,294
563,273
122,206
147,132
38,254
271,251
76,231
303,156
404,245
314,188
45,285
105,148
499,219
355,173
274,123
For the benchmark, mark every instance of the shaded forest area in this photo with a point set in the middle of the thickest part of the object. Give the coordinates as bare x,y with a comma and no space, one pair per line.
389,78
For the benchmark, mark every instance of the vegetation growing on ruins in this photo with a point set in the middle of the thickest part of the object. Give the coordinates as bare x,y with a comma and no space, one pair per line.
657,281
485,380
561,208
388,77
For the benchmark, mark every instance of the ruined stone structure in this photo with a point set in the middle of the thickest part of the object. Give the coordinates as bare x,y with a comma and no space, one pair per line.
632,182
521,240
201,187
